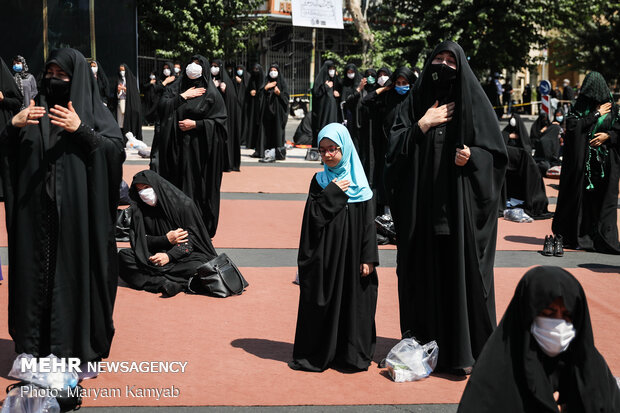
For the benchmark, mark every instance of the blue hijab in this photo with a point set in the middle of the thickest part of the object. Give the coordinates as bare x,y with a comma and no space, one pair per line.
349,167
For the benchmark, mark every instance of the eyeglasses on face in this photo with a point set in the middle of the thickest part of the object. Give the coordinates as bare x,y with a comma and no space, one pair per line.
330,150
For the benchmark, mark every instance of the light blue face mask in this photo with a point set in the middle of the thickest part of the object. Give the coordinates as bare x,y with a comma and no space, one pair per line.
17,68
401,90
559,118
239,72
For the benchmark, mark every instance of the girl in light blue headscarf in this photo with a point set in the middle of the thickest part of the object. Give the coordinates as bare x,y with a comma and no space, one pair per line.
349,168
336,262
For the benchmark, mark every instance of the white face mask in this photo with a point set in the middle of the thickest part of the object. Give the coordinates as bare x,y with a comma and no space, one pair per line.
331,72
94,69
148,196
122,72
513,122
193,70
553,335
273,74
166,72
152,77
215,70
177,70
382,79
239,72
351,75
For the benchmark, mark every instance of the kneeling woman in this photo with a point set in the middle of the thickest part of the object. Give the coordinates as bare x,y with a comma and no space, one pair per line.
168,238
542,354
337,259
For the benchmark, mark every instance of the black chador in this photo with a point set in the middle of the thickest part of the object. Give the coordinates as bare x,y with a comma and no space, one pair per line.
103,82
325,109
384,105
241,81
193,159
232,160
545,139
61,198
586,214
514,374
132,119
252,113
523,180
150,225
274,111
350,95
336,316
446,215
9,106
361,122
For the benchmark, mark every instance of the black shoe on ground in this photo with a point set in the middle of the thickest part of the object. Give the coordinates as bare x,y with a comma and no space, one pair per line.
170,289
548,246
558,247
267,160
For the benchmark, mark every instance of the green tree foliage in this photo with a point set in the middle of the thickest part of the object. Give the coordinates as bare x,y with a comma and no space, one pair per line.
495,34
215,28
591,39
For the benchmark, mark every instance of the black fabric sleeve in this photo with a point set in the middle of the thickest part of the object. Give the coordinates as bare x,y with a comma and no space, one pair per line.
370,99
156,243
87,137
8,133
370,251
11,104
200,125
180,250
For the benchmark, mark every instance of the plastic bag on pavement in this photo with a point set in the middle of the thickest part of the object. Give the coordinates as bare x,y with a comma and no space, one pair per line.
517,215
29,399
410,361
133,143
52,380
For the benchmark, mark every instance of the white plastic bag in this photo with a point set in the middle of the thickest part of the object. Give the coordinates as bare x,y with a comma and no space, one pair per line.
27,400
52,380
133,143
410,361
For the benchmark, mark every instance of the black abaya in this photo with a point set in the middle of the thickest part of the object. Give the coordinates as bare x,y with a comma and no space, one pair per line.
232,159
513,375
242,91
253,108
335,322
351,96
9,106
523,179
385,107
61,204
132,121
103,83
325,107
586,213
445,215
193,160
274,113
147,234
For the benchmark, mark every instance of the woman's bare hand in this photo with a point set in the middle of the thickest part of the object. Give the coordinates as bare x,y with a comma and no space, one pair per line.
366,269
193,92
344,184
28,116
436,115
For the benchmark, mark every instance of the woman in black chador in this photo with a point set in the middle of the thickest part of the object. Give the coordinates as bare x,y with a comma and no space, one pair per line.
64,164
103,84
219,76
444,174
523,180
241,81
545,139
274,114
11,101
586,214
257,80
337,259
325,99
126,103
193,135
168,239
542,354
384,103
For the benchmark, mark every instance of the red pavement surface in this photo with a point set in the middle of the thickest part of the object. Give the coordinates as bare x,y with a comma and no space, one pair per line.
237,348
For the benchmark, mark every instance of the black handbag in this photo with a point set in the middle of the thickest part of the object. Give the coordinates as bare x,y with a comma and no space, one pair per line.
123,222
219,277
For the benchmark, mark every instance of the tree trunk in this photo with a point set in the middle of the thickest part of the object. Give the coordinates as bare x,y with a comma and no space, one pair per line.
361,24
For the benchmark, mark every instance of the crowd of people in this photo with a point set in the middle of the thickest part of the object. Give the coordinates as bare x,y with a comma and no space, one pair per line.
422,147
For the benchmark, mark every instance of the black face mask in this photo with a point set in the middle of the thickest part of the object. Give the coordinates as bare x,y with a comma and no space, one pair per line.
57,91
444,77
